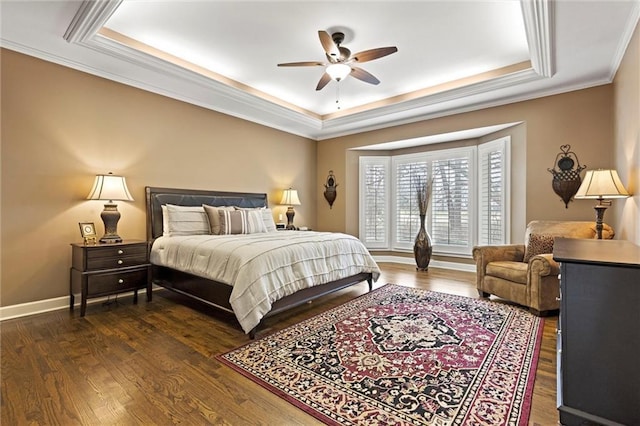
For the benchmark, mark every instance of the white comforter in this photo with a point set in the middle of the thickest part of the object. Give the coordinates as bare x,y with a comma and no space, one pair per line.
265,267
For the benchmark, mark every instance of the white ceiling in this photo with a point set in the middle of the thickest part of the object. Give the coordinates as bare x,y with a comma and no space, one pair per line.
245,40
453,56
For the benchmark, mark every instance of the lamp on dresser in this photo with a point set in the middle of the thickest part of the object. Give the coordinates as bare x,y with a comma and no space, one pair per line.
110,188
600,184
290,198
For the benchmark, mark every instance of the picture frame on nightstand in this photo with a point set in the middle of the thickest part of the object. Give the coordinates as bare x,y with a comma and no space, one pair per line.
88,232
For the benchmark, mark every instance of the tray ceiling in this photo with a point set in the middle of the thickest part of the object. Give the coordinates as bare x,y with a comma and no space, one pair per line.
222,55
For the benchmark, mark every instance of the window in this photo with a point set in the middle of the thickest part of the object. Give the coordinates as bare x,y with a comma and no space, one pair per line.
468,203
375,187
409,172
493,178
451,224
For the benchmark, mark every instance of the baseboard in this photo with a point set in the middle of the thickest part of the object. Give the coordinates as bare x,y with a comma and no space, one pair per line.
466,267
48,305
57,303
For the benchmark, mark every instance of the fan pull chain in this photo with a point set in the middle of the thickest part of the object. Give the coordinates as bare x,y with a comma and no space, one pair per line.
338,94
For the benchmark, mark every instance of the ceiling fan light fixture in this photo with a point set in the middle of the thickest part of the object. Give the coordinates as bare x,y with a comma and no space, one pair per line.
338,71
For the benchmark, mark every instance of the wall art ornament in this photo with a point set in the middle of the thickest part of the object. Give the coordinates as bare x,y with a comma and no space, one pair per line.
330,189
566,178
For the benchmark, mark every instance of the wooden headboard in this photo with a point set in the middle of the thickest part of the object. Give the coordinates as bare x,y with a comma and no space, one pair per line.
156,197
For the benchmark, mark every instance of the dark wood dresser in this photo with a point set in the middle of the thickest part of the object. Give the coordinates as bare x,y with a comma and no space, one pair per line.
105,269
598,332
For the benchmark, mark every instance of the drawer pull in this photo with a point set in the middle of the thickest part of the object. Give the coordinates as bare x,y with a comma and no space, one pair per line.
120,281
119,261
120,251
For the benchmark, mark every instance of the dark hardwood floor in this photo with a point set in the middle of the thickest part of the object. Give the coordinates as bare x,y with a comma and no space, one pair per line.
154,363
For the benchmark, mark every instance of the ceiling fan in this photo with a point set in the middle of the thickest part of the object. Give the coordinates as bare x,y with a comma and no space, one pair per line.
341,60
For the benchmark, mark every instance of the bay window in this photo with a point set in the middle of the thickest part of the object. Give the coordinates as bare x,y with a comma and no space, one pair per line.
469,198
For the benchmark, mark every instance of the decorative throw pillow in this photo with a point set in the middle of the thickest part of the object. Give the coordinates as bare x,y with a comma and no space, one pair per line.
186,220
241,222
267,217
538,244
214,217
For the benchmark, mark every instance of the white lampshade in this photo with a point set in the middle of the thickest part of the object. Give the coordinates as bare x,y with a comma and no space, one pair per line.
599,184
338,71
290,197
110,187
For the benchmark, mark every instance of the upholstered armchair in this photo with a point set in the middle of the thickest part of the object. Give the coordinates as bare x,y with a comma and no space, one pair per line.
526,273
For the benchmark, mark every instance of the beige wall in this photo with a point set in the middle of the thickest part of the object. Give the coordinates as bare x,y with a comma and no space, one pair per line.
60,127
627,139
583,119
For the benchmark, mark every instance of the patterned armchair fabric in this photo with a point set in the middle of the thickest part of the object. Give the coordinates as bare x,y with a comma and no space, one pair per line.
501,270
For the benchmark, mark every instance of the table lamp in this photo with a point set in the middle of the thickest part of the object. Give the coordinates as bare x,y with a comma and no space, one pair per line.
110,188
600,184
290,198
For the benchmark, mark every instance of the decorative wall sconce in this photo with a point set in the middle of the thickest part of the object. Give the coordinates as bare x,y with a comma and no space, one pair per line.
566,179
330,189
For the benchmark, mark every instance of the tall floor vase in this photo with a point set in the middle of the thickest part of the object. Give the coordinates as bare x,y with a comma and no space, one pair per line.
422,247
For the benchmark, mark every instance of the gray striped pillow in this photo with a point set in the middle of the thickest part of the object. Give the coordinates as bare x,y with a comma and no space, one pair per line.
267,217
214,217
186,220
241,222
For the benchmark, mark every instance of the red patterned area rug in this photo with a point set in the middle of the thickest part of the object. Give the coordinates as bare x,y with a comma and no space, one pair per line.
403,356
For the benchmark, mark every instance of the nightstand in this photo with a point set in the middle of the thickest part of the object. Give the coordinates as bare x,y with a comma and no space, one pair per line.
105,269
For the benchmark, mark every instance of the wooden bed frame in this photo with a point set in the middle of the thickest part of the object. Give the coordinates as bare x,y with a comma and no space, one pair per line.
214,293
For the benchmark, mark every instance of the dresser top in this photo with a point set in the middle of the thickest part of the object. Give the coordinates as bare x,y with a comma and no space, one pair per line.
611,252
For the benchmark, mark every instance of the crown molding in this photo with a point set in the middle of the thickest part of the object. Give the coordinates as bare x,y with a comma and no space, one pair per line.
91,16
378,114
629,29
159,75
538,23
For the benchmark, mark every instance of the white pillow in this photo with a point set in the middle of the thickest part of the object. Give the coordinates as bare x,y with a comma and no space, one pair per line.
186,220
267,217
165,221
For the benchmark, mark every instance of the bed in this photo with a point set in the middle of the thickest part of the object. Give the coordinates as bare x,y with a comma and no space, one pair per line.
274,293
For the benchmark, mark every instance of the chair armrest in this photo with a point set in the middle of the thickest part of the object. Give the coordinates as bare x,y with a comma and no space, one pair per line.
543,265
485,254
544,288
509,252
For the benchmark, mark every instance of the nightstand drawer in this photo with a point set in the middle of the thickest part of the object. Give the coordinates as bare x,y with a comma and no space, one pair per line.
115,262
117,251
112,283
109,256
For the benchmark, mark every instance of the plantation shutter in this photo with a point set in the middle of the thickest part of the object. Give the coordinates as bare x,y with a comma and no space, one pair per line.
410,174
493,195
451,204
374,201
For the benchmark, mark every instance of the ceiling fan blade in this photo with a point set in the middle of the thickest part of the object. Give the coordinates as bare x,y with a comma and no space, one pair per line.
328,45
371,54
363,75
302,64
324,80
